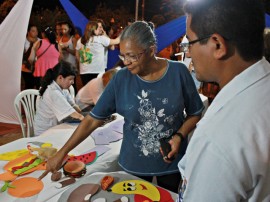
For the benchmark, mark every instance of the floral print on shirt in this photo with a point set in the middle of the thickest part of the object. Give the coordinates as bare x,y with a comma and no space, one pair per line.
151,129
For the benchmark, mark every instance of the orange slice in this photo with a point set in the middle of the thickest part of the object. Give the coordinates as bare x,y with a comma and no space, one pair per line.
26,187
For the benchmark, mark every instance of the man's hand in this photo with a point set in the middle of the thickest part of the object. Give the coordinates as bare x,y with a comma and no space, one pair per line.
53,165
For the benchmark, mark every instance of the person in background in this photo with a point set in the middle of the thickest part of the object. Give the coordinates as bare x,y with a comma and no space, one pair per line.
166,52
130,21
45,54
102,27
90,93
90,52
151,94
114,31
58,31
228,157
55,101
209,90
267,44
27,68
67,45
78,33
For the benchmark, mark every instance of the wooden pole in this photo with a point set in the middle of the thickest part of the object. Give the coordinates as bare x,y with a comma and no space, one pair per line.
137,10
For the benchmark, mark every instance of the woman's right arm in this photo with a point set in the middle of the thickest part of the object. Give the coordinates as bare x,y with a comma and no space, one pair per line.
86,127
115,41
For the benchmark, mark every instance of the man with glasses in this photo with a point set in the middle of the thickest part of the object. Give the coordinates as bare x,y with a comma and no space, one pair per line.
228,157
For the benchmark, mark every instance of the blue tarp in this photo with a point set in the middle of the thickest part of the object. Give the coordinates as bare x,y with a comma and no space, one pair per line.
168,33
267,20
77,18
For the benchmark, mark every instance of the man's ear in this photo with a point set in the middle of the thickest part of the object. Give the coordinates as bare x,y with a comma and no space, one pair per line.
221,48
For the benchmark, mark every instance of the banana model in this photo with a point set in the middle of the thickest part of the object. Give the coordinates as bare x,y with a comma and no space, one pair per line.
8,156
136,187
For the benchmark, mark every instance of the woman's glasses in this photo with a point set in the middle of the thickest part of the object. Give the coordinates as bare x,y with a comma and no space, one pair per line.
131,58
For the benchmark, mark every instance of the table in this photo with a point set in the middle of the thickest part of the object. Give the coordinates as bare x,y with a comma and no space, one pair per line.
58,135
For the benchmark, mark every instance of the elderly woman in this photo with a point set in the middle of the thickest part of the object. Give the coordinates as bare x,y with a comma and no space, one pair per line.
151,94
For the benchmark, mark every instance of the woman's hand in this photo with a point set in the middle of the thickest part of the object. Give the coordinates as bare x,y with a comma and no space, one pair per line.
36,46
175,142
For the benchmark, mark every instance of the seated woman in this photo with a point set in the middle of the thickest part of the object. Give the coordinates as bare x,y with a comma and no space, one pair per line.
55,102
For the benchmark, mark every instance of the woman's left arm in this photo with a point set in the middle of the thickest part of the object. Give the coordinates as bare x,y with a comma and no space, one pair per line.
182,133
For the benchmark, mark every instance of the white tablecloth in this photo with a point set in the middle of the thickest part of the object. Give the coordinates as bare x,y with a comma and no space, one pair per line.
58,136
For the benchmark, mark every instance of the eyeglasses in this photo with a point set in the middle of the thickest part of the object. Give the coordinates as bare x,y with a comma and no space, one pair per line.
131,58
184,47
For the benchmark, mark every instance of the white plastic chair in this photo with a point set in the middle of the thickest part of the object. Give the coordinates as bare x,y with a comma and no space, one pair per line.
27,100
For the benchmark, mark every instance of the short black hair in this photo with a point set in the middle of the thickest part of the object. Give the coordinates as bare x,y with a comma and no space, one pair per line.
30,27
62,68
241,22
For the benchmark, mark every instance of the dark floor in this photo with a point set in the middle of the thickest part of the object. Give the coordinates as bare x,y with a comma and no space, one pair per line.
9,133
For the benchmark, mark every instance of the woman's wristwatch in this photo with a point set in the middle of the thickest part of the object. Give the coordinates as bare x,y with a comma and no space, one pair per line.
182,138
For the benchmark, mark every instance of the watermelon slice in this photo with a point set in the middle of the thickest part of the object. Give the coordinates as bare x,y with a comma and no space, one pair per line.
86,158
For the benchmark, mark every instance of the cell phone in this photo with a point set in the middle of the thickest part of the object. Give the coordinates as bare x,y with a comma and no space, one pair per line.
166,147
